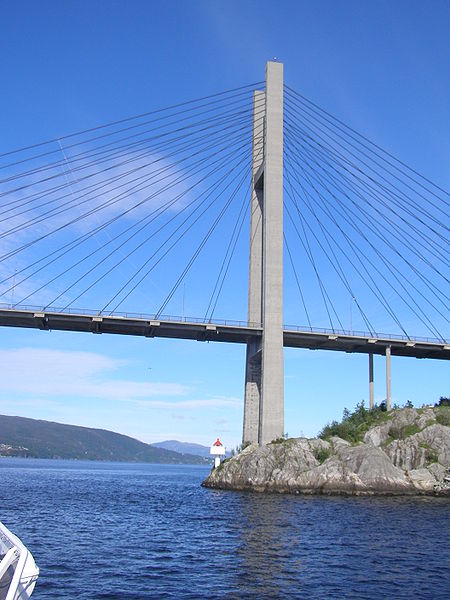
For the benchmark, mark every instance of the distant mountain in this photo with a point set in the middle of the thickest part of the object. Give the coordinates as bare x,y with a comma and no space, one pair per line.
20,436
185,448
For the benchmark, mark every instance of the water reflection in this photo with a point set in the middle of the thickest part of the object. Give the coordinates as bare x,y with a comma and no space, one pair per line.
267,548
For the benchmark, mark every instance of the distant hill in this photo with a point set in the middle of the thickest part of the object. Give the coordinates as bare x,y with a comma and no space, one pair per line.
185,448
20,436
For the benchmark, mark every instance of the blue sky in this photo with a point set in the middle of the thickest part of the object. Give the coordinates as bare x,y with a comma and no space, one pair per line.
381,66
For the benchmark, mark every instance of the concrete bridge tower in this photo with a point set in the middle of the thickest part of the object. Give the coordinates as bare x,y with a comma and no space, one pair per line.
264,380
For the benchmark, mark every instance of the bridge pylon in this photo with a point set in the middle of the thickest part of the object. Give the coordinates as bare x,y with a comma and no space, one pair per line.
264,379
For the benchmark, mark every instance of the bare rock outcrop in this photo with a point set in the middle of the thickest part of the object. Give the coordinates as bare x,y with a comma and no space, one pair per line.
402,419
425,418
437,438
407,454
422,480
417,462
378,435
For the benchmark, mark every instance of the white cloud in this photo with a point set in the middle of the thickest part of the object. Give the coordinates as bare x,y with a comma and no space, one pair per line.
218,402
47,372
43,374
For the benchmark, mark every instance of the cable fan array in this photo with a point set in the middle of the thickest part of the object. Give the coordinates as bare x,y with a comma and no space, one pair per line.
89,217
372,233
118,216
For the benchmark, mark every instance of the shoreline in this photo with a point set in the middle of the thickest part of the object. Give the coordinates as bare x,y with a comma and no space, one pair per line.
332,494
402,453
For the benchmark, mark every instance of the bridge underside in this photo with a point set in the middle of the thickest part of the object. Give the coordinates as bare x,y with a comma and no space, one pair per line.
219,332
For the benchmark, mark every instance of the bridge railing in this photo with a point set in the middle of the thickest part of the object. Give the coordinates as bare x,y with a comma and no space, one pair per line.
226,322
129,315
364,334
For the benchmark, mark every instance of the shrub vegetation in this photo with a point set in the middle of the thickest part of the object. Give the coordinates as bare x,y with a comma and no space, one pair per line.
279,440
443,401
355,424
400,433
321,454
443,416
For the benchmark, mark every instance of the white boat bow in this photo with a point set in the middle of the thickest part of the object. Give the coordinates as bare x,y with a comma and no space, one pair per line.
18,571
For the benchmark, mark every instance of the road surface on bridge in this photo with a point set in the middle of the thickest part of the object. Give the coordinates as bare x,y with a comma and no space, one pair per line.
220,331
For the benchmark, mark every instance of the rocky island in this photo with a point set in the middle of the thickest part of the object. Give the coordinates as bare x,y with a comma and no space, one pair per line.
403,452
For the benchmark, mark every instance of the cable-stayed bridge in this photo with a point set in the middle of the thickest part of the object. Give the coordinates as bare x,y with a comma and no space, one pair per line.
125,215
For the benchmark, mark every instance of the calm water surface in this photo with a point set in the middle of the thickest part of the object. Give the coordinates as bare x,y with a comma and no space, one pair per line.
114,530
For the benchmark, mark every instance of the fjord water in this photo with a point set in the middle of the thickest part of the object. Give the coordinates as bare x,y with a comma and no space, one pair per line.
114,530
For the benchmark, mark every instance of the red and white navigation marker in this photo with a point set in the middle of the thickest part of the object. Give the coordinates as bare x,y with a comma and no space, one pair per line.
217,450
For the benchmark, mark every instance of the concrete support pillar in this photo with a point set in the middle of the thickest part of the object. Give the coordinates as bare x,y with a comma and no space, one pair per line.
253,359
271,413
371,381
388,378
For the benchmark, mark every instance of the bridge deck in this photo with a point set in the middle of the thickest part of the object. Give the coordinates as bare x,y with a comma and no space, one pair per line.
220,331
